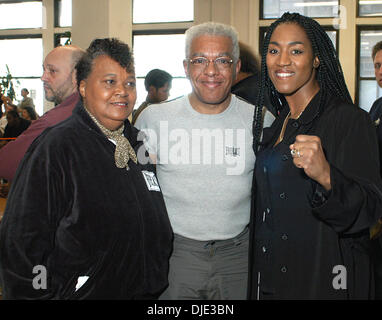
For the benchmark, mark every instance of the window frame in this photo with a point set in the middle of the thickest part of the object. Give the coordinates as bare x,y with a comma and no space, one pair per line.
157,32
150,32
46,33
157,23
18,1
359,16
57,15
22,28
159,28
359,29
20,37
261,15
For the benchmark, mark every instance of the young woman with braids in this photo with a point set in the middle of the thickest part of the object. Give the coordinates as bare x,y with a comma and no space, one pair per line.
316,190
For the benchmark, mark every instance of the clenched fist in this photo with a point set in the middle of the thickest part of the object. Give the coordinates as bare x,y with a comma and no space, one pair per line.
308,154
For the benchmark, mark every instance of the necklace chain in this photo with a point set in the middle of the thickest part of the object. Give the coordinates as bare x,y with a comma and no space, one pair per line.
284,125
289,114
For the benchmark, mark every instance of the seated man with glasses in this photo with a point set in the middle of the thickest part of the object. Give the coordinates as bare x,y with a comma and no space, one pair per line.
202,146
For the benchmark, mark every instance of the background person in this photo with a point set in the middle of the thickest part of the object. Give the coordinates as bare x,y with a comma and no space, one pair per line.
29,113
26,101
8,103
376,108
8,106
316,198
158,86
60,86
3,116
375,114
98,227
15,126
247,82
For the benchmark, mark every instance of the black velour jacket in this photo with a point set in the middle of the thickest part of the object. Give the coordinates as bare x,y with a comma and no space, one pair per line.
73,212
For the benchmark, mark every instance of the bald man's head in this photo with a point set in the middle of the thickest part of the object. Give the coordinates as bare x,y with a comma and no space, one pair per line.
59,75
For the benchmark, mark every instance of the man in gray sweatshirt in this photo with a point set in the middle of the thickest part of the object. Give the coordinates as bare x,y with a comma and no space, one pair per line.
202,145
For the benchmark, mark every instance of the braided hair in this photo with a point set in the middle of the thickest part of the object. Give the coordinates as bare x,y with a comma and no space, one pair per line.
329,73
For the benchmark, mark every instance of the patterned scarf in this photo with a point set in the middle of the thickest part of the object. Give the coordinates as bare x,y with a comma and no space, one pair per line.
123,151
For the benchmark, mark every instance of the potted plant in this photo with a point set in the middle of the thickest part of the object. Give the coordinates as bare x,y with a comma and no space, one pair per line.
8,88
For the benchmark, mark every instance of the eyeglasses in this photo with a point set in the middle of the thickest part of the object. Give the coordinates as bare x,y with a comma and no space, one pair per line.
222,63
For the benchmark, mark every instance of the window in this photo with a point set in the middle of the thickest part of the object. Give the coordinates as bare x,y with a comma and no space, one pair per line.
63,13
25,72
370,8
158,42
151,51
368,90
273,9
62,39
154,11
21,15
21,42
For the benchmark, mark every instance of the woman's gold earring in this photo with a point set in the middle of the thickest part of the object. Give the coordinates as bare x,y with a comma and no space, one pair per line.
316,63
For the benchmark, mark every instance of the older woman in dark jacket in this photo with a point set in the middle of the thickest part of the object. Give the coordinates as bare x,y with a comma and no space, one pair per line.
85,219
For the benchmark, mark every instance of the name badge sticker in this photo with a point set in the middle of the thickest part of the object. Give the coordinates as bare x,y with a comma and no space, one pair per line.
151,180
